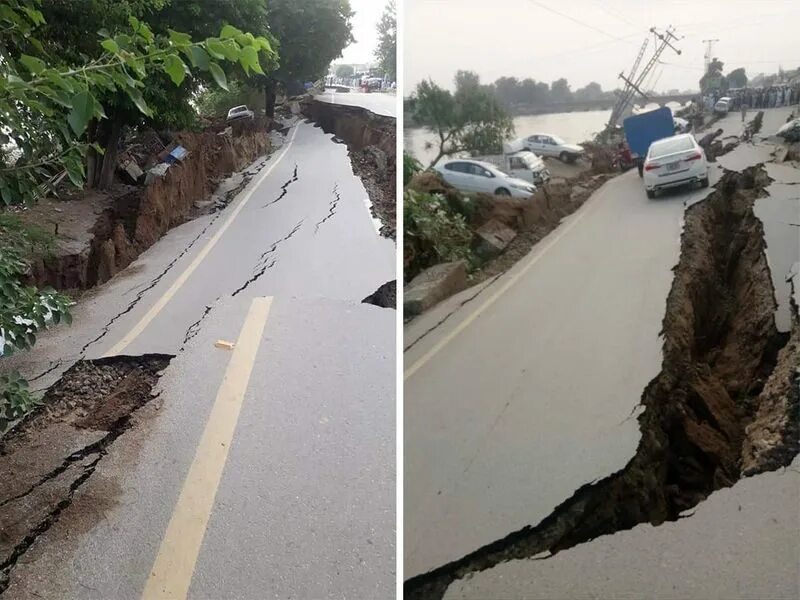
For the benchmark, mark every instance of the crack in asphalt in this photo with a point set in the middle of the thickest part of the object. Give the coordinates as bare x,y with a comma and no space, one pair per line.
153,283
194,328
284,189
452,312
264,263
331,207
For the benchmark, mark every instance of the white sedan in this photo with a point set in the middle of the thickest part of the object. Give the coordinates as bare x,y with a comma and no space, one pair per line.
672,162
478,176
547,144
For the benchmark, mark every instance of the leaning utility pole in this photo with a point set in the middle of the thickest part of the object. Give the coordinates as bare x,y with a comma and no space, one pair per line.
709,53
633,83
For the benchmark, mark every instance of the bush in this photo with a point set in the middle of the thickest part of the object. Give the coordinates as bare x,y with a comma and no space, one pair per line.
411,166
434,233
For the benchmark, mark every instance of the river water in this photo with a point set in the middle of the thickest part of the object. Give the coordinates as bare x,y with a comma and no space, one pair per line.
574,127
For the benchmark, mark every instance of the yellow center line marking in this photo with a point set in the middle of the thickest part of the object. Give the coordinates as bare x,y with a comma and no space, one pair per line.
172,571
163,300
436,348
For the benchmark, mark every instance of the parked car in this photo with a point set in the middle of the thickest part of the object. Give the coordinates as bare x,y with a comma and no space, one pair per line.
522,164
240,112
674,161
723,106
546,144
477,176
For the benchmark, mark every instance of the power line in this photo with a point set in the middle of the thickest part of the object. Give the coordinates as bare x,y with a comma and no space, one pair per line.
574,20
606,10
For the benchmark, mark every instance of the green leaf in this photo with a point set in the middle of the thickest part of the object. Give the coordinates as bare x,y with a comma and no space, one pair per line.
263,43
82,110
134,23
249,59
110,46
33,64
175,68
178,38
199,58
229,31
138,100
219,76
215,48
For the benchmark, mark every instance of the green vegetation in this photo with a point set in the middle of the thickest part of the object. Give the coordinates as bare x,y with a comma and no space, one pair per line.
24,310
387,41
411,166
469,120
434,232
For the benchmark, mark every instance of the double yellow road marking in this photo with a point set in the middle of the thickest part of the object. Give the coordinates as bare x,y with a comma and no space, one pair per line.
172,572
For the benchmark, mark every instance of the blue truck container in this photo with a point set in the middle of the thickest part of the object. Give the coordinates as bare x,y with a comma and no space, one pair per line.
644,129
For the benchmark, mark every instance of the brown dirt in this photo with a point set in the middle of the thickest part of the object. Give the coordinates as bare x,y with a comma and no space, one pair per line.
726,378
99,234
55,449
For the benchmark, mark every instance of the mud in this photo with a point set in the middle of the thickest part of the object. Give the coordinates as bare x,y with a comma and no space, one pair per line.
723,406
371,141
132,219
56,448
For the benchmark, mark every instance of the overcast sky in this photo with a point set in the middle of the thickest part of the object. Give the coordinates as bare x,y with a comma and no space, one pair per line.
593,40
365,23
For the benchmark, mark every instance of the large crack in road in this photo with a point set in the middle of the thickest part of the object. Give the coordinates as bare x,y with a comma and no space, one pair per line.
56,449
727,375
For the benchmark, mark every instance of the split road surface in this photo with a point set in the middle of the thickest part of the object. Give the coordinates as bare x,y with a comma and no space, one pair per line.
267,470
520,391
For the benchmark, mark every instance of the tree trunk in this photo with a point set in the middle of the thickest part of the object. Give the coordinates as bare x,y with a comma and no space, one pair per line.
269,98
106,178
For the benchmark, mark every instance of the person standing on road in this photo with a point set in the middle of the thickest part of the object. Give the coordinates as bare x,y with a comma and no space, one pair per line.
744,110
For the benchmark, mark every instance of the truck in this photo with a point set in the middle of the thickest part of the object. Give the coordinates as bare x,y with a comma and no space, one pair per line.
520,163
645,128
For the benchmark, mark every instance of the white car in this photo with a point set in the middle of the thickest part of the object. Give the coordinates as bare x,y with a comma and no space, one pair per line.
239,112
723,106
546,144
674,161
478,176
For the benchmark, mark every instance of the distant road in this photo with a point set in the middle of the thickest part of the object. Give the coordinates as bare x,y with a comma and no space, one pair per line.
377,102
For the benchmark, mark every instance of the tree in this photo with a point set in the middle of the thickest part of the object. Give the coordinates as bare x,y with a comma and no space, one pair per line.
387,41
559,91
345,71
591,91
737,78
469,120
712,79
310,34
62,37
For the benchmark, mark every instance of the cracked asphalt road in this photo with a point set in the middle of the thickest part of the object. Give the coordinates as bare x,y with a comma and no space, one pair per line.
529,390
305,505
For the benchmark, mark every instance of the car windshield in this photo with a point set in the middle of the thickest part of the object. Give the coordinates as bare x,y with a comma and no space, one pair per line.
239,109
670,146
557,140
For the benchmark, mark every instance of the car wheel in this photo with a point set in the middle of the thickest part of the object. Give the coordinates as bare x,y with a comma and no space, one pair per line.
704,182
502,192
651,194
564,157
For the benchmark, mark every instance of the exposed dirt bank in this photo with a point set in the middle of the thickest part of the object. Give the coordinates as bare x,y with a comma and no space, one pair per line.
104,233
724,404
371,140
57,448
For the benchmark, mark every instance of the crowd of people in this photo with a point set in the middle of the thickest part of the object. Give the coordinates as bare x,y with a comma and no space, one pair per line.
769,97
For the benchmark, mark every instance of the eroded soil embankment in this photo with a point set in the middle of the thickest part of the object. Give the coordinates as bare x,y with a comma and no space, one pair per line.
371,140
140,216
724,405
56,449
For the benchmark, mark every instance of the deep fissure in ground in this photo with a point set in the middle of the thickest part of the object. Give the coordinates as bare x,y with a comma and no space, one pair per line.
724,405
55,450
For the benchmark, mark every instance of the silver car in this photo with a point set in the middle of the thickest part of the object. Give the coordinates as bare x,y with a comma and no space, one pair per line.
478,176
547,144
239,112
